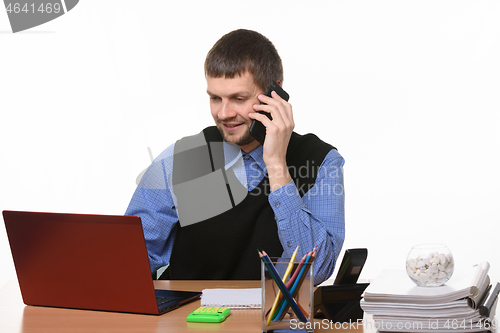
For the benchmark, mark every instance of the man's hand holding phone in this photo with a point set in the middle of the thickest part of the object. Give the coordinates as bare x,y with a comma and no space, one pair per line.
277,135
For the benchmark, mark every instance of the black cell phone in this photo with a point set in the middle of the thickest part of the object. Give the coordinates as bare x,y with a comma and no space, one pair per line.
257,129
351,266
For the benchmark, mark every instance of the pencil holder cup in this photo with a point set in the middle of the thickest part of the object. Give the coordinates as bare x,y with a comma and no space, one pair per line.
292,309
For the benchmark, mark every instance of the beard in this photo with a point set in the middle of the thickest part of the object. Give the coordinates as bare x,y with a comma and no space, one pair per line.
245,139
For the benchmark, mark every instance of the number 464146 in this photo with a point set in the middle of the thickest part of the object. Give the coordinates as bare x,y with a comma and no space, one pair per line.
31,8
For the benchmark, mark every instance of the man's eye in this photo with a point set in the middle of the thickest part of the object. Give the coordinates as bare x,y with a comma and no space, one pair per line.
214,98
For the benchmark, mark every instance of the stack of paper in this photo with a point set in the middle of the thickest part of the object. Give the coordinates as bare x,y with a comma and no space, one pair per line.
399,305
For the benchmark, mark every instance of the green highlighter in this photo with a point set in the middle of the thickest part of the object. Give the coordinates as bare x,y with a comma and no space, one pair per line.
208,314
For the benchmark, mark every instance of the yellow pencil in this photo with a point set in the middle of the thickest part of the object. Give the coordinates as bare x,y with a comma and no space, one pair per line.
285,276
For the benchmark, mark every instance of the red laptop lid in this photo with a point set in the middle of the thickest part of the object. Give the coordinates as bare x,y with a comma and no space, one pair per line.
96,262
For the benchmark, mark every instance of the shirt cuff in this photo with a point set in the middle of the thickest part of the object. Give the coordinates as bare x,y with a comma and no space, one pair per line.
285,201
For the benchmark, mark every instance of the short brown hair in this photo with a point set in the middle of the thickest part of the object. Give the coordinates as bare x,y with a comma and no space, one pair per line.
245,50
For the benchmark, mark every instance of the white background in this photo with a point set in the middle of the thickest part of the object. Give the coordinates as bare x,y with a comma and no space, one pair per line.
407,91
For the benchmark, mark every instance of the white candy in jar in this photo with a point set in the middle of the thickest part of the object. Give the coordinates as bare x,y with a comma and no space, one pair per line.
430,268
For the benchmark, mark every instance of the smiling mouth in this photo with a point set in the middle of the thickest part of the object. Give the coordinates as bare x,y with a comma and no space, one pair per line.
232,126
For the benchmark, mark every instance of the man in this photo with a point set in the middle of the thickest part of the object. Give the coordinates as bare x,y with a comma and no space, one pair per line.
209,201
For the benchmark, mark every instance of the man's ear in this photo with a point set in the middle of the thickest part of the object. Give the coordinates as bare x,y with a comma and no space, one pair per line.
280,83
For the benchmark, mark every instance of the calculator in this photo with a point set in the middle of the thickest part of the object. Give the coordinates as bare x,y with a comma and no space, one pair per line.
208,314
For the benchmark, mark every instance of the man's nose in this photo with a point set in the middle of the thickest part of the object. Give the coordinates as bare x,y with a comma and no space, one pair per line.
226,111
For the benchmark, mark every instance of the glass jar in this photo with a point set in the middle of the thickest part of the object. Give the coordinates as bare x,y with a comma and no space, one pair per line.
430,265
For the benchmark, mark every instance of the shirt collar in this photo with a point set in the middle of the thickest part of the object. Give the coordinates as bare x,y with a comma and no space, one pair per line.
232,153
257,155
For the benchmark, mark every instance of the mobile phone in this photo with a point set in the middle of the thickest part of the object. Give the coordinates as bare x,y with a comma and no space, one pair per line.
351,266
257,129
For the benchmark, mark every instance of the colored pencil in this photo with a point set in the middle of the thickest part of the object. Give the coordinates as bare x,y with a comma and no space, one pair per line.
285,276
297,284
274,274
292,279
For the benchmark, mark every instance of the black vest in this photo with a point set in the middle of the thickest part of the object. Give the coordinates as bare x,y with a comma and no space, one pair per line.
224,247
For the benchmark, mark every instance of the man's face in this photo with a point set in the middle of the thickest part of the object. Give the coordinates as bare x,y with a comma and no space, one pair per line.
231,100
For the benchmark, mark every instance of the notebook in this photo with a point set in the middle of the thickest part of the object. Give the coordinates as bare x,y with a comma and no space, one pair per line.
94,262
249,298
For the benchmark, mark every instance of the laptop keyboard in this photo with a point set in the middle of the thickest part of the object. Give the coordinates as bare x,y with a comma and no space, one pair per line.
160,300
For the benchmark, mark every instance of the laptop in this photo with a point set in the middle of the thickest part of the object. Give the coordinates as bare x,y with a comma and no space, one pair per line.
81,261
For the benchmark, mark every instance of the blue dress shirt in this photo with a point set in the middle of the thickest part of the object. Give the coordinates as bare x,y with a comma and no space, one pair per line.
315,219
